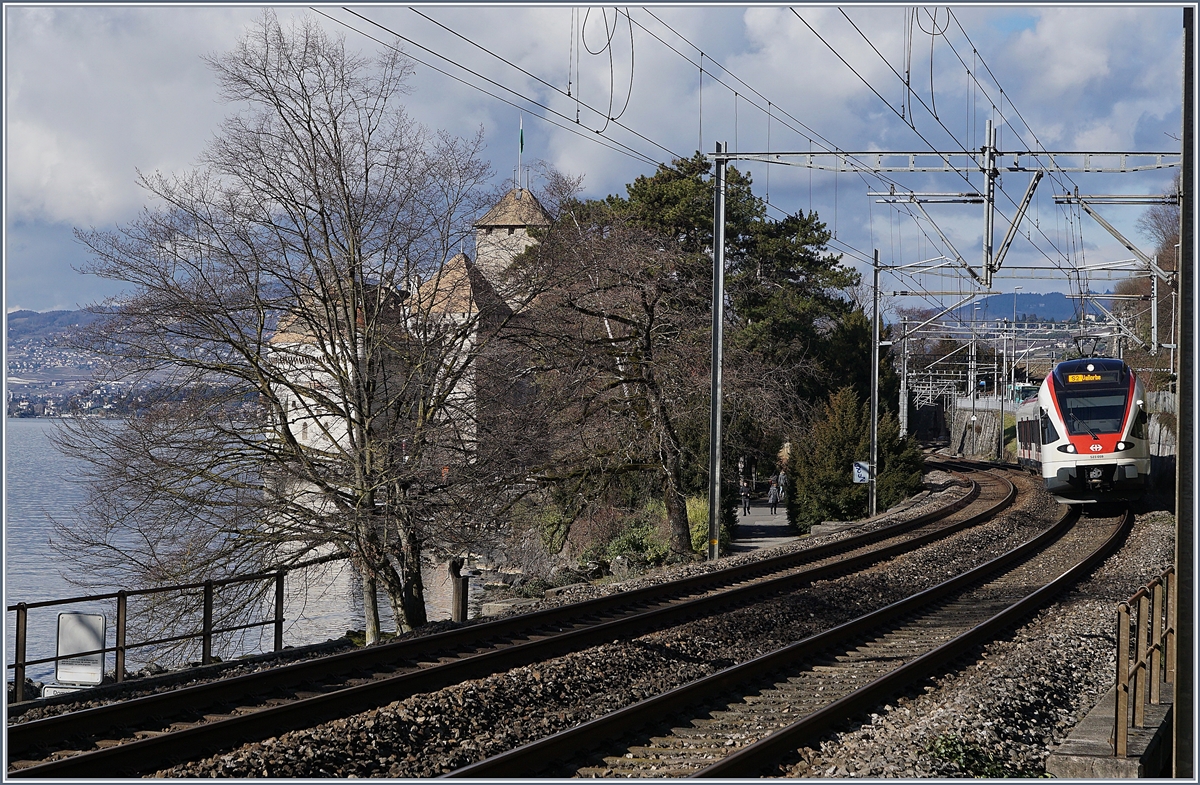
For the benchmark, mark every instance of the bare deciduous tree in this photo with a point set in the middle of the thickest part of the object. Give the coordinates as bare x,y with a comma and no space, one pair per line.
623,342
303,343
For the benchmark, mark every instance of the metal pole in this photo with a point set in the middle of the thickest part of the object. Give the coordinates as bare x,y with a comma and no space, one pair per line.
718,326
989,200
1014,337
1174,332
19,669
279,577
1154,312
904,378
122,604
206,632
973,372
874,384
999,389
1185,461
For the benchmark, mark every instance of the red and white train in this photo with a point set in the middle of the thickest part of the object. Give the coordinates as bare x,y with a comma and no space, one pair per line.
1085,432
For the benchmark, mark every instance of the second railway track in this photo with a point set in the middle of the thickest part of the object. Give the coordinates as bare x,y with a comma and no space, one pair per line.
749,718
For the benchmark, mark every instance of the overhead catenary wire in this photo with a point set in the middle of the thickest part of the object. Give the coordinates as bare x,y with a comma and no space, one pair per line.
629,152
859,168
808,133
769,111
540,80
607,142
608,46
1056,171
971,113
1057,174
859,254
932,111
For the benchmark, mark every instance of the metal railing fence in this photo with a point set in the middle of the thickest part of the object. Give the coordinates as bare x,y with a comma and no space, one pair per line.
121,646
1146,656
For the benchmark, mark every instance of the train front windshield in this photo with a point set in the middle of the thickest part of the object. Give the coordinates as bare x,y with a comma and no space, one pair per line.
1092,395
1092,412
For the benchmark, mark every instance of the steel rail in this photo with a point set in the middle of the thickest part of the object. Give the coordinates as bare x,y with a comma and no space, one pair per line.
532,758
167,747
754,757
22,736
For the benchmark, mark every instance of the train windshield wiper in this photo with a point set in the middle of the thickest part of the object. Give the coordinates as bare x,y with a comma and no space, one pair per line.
1086,427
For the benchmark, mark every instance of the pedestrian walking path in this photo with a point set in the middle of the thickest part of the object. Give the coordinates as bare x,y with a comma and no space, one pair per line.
761,529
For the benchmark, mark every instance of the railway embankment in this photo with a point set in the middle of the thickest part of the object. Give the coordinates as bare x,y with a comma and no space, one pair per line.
1003,715
429,734
999,712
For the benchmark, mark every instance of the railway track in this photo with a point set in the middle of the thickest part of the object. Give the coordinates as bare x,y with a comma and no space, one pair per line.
142,734
746,720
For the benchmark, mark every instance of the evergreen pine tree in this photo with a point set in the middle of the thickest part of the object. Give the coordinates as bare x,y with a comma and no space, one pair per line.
821,471
819,467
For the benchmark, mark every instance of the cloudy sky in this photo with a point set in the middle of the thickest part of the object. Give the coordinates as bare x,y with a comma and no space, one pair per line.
94,94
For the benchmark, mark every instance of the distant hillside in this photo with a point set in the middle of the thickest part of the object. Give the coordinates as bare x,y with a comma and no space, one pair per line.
31,324
1031,307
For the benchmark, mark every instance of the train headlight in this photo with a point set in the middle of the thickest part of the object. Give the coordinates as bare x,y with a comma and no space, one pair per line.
1124,446
1067,448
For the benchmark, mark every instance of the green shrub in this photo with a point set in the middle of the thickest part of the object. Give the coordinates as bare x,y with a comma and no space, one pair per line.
973,759
545,516
697,507
535,588
822,488
644,534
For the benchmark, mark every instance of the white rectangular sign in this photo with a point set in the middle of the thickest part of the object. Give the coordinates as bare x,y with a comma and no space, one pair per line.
80,632
861,471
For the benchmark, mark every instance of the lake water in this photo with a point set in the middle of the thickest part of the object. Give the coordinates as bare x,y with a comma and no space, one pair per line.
38,486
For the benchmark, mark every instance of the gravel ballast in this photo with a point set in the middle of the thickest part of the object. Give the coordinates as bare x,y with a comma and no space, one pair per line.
429,734
1000,716
996,716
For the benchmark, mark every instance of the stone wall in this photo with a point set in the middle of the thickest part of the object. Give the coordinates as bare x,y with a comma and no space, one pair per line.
977,439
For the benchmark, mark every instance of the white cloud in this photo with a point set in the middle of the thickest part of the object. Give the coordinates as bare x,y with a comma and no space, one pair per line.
95,93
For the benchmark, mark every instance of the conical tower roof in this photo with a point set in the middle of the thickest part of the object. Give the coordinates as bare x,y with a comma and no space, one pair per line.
518,207
460,289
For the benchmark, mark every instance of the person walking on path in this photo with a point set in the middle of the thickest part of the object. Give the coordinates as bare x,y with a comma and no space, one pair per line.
745,498
773,496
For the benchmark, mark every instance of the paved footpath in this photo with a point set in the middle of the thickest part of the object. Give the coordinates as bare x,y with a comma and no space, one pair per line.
761,529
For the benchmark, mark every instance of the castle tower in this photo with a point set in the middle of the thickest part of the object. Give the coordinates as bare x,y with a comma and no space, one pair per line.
503,233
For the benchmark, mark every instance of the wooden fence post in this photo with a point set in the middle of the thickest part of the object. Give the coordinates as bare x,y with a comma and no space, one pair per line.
1156,644
1121,729
458,591
1171,656
1143,677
